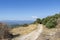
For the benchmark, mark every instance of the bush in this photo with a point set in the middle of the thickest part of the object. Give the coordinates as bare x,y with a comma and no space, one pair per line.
25,25
51,23
38,20
45,20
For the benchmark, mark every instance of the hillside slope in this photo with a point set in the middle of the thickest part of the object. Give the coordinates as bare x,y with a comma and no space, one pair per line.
33,35
50,34
51,29
23,30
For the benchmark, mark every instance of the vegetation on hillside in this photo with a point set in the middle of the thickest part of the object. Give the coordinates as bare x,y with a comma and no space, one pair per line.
25,25
49,21
18,25
38,20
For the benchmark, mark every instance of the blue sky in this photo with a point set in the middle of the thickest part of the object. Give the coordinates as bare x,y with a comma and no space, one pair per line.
28,9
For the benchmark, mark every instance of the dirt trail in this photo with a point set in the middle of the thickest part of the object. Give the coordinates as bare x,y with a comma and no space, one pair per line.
33,35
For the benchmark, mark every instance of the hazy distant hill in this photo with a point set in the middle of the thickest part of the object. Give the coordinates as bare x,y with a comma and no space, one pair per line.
11,22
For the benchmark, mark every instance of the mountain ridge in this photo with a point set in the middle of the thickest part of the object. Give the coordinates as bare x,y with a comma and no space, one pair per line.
17,21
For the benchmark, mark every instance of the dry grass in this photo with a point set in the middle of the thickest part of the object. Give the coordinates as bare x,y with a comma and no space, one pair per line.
23,30
48,31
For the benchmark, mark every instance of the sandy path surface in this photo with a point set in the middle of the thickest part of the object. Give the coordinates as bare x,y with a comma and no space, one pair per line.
33,35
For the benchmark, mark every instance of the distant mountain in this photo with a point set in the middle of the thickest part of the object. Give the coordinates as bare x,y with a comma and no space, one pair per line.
11,22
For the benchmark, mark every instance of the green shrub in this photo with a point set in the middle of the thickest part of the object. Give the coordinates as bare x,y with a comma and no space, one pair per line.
38,20
51,23
45,20
25,25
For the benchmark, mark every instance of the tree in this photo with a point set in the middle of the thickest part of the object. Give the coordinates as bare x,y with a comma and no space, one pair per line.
38,20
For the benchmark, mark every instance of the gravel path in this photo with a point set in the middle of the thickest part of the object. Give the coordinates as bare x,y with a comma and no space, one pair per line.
33,35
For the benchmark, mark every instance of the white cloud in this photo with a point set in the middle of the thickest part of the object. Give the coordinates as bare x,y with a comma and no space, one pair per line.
34,17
